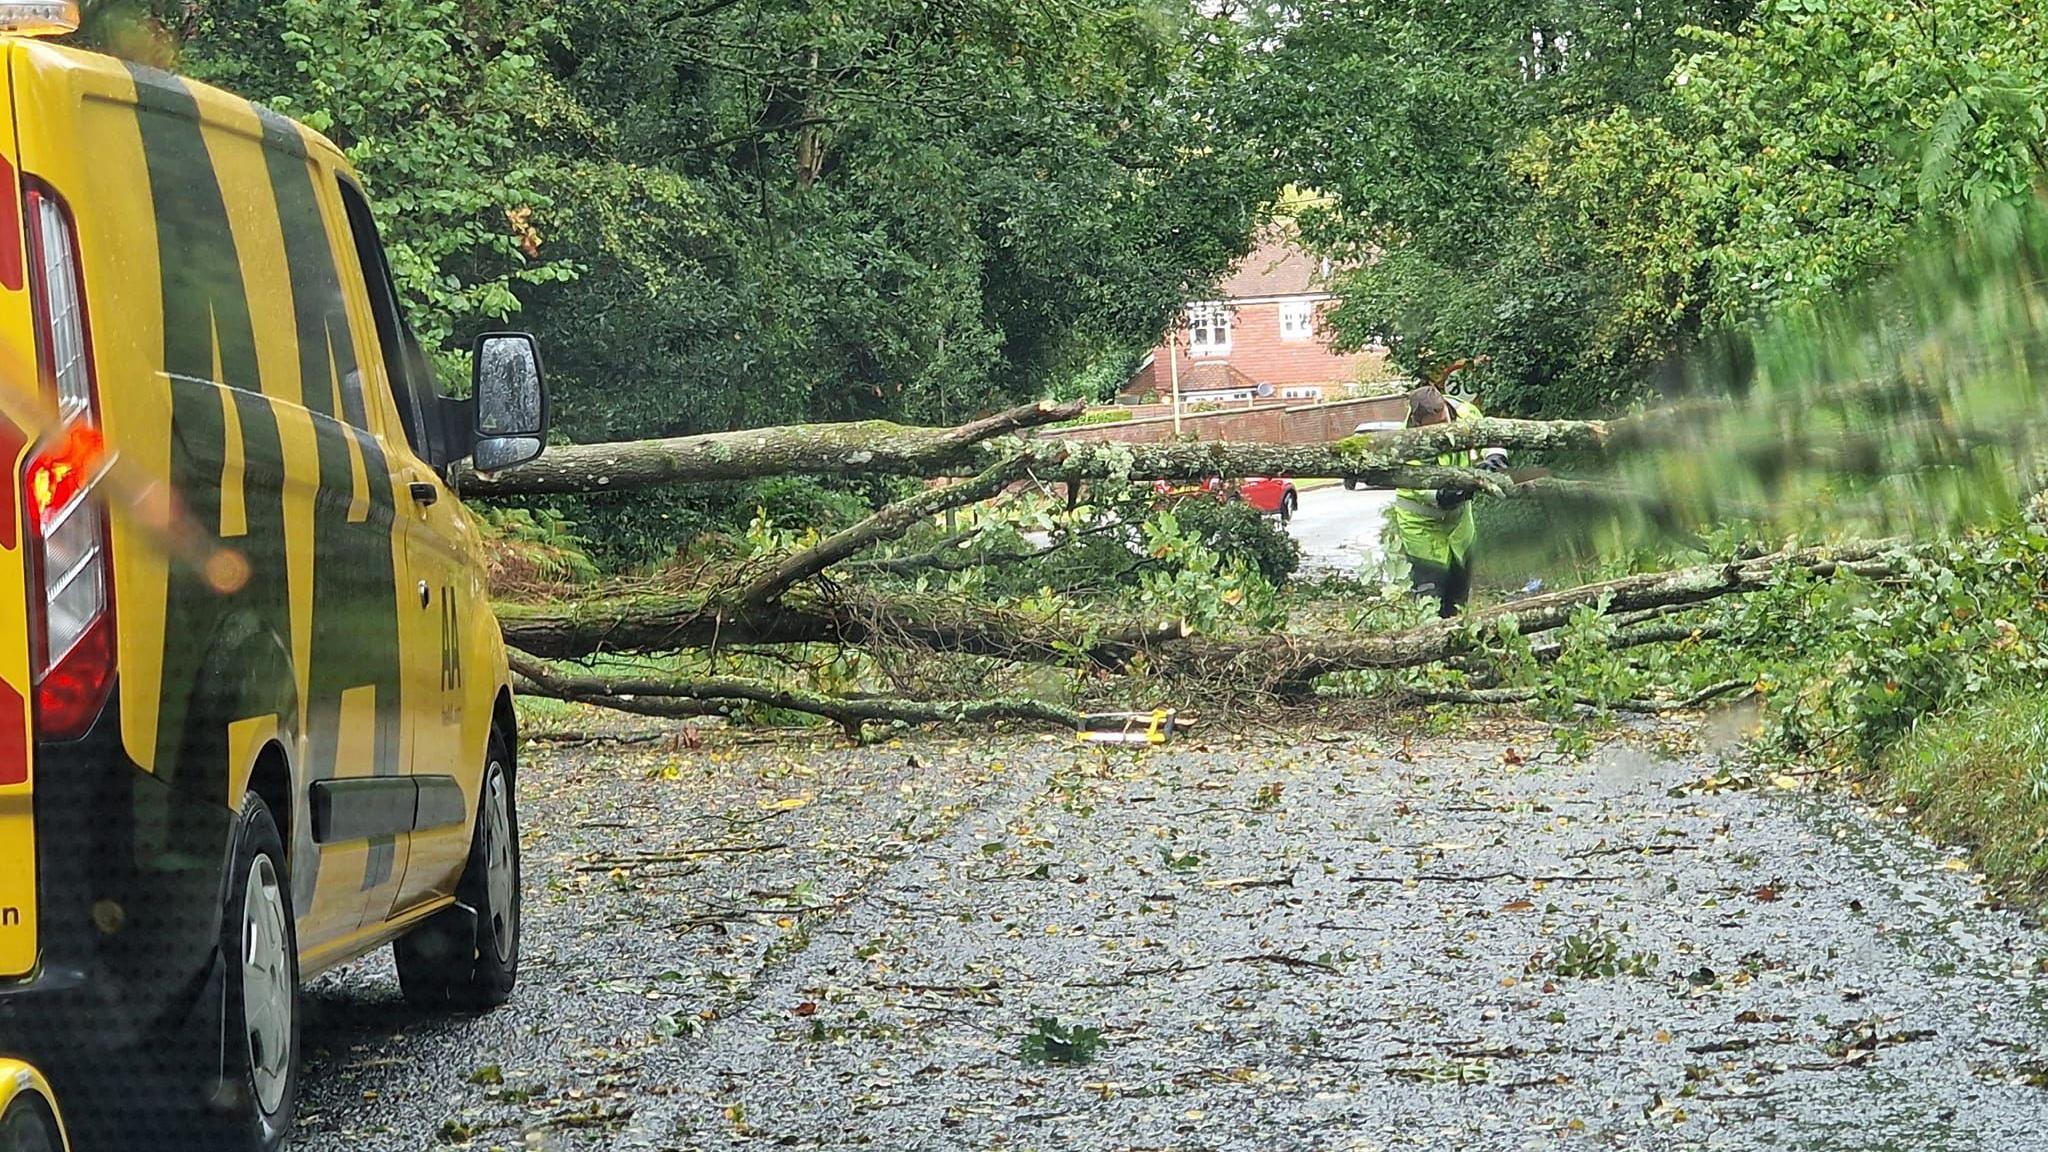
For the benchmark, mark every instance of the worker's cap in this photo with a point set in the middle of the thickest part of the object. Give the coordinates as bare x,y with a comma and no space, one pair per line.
1426,405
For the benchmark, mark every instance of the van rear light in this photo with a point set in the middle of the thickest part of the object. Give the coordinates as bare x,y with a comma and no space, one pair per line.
62,299
71,618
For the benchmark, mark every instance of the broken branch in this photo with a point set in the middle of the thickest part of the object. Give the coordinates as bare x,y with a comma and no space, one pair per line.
886,524
723,695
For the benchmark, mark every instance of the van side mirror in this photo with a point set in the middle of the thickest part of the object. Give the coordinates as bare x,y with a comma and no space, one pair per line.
511,401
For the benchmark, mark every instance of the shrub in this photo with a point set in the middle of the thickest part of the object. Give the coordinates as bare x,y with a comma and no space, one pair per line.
532,550
1237,531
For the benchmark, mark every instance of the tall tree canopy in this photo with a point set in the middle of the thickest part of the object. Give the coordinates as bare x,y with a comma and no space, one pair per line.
1421,122
728,212
1579,190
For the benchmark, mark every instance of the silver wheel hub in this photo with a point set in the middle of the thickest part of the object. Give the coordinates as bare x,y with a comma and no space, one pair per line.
267,992
500,872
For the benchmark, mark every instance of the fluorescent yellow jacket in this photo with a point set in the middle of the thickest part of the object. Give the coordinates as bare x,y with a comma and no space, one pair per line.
1431,533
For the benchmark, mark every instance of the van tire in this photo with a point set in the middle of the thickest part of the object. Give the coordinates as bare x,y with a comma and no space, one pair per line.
468,956
29,1127
1351,483
260,944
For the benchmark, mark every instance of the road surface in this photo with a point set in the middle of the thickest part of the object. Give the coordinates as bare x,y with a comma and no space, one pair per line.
1339,531
1346,942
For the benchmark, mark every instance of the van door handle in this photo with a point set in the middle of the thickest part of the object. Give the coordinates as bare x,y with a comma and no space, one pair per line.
424,493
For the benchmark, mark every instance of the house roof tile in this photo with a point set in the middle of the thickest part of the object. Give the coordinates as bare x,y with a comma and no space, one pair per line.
1277,267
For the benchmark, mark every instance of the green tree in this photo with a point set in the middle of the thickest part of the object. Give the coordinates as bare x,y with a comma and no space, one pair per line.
792,210
1422,124
1794,154
729,213
431,101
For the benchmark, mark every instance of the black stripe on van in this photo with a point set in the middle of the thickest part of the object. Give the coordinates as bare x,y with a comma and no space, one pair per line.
220,651
355,590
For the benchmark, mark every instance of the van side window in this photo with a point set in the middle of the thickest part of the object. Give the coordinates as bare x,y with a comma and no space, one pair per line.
394,336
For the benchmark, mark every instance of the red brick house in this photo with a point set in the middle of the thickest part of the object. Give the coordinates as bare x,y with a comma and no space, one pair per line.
1261,337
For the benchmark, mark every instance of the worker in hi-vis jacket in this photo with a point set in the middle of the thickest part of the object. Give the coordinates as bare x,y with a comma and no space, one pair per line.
1436,526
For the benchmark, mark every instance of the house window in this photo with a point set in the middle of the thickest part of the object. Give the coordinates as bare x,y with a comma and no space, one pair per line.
1209,329
1297,319
1304,393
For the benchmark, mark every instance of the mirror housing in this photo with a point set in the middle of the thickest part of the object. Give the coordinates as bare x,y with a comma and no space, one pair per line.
511,401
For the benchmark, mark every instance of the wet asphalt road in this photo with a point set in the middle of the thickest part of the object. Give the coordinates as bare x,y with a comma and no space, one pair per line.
1334,945
1338,530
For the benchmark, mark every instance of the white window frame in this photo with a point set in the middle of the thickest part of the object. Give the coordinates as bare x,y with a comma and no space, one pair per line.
1209,329
1302,392
1297,319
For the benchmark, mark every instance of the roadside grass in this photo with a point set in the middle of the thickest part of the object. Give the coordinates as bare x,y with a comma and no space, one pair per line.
1978,775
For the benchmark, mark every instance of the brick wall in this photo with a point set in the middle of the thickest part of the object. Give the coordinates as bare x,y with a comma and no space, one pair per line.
1258,350
1149,411
1299,424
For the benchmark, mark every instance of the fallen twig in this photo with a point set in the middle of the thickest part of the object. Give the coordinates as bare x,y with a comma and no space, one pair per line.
1485,878
1245,882
1285,961
681,856
578,739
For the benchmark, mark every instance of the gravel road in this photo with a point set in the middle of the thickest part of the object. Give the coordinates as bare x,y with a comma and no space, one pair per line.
1349,943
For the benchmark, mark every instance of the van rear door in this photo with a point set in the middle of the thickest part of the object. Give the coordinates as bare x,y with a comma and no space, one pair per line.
18,400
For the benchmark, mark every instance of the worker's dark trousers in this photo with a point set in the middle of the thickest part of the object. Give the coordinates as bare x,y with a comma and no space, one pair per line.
1452,585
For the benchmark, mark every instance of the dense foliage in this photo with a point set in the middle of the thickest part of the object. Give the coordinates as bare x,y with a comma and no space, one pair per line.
748,211
718,214
1580,191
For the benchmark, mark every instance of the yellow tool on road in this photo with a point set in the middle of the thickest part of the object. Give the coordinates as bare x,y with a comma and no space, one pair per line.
1154,727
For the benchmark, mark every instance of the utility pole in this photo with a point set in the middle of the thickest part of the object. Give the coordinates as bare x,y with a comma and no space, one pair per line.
1173,371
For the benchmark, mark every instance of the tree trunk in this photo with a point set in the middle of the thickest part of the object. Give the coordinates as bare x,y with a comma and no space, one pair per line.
875,447
660,623
722,696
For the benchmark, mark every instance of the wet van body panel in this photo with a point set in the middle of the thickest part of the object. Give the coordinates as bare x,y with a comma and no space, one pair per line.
131,842
18,910
239,370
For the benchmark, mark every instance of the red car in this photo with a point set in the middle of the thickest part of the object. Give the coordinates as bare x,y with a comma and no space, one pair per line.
1270,494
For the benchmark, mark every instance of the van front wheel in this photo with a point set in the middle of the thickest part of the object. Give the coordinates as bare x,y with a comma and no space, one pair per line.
29,1127
468,956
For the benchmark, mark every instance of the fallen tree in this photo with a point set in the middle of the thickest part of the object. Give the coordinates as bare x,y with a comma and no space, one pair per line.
1286,662
662,622
880,448
827,592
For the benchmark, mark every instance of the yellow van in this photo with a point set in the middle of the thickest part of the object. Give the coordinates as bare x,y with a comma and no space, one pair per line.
255,716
